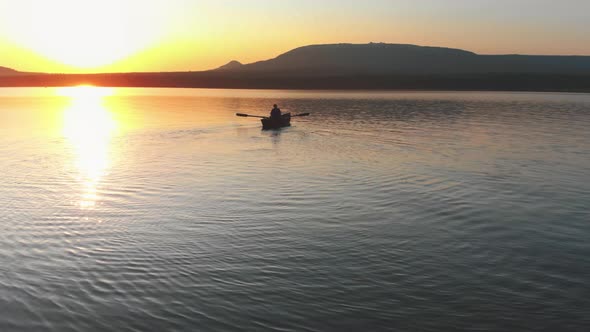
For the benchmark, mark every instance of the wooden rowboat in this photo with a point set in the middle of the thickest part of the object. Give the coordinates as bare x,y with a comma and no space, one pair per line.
276,123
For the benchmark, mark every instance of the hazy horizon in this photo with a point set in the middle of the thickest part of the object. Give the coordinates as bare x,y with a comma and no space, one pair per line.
182,35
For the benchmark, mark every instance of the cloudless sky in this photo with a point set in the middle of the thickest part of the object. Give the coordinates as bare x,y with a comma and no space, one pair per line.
167,35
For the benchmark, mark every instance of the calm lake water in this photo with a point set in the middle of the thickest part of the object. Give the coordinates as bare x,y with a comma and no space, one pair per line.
160,210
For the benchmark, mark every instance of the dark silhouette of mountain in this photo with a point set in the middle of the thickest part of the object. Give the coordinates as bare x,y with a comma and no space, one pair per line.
358,66
379,58
363,58
8,71
232,65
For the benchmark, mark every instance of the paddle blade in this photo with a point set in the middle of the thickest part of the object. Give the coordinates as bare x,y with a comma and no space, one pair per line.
302,114
241,114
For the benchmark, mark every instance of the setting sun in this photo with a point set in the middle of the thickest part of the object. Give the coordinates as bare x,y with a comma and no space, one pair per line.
83,34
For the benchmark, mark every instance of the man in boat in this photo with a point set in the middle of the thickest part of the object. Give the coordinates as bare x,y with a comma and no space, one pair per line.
276,112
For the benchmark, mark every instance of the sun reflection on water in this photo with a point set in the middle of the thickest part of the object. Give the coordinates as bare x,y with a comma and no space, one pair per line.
88,126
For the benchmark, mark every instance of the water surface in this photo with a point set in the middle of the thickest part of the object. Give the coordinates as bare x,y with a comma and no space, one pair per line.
159,209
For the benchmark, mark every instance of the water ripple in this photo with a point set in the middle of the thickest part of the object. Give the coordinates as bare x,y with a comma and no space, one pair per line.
382,211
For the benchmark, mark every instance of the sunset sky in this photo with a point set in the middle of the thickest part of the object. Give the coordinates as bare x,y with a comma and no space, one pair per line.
176,35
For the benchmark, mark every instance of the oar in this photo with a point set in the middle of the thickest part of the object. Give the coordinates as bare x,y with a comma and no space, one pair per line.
259,116
252,116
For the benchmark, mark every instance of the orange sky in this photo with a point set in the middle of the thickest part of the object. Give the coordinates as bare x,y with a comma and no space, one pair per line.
168,35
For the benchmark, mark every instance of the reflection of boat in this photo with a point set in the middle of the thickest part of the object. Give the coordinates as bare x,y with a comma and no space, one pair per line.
276,123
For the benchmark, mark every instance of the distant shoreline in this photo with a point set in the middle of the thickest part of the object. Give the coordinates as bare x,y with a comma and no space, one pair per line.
290,81
373,66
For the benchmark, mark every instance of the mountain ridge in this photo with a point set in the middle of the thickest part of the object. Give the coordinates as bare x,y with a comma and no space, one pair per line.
8,71
232,65
380,58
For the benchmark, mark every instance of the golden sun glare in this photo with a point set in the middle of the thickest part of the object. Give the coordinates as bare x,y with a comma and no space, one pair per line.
84,34
88,127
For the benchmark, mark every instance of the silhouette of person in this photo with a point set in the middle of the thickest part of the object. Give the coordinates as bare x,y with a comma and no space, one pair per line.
276,112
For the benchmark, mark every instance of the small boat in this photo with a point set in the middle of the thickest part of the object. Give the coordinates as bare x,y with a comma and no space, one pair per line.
276,123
